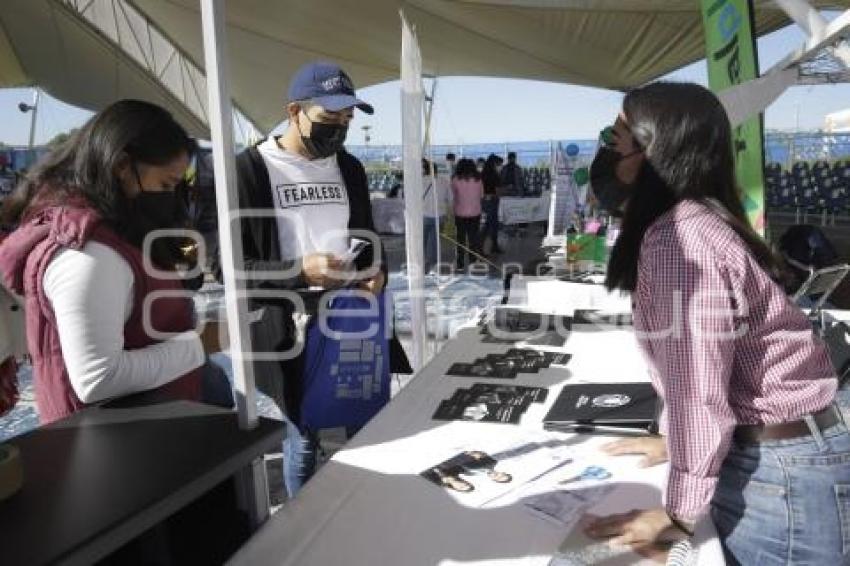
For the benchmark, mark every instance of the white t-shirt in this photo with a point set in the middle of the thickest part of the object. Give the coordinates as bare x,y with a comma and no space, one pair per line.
443,196
311,202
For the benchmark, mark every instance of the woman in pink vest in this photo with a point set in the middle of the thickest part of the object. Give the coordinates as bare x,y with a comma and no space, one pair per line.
467,192
104,322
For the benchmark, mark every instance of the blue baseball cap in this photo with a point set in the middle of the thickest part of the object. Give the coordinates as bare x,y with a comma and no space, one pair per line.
328,85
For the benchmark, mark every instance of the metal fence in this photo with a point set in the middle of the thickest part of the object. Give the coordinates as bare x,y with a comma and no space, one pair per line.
782,148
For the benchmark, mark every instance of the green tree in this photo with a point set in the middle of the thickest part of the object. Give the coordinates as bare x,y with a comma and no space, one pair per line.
61,138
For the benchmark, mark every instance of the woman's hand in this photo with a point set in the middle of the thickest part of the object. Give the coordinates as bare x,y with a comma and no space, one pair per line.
652,448
631,154
639,528
623,142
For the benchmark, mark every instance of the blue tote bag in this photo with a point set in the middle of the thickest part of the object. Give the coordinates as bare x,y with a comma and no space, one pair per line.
346,370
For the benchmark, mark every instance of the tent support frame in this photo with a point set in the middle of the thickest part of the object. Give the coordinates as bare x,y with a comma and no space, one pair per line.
252,484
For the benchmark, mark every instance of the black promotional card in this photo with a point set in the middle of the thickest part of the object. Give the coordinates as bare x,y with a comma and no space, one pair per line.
510,325
543,359
534,394
525,353
483,369
558,359
515,320
602,319
481,412
468,397
519,363
549,339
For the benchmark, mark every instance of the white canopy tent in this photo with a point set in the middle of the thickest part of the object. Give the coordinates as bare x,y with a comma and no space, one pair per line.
77,56
838,122
604,43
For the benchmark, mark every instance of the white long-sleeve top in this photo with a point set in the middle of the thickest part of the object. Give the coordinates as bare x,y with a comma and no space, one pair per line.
91,292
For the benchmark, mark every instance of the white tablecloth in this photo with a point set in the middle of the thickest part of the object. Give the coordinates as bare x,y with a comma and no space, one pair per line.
548,295
388,213
368,506
522,210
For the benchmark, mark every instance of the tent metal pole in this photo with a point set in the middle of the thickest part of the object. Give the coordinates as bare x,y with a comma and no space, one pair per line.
411,130
550,229
435,197
35,96
252,484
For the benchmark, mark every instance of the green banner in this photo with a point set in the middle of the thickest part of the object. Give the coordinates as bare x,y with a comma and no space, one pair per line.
733,59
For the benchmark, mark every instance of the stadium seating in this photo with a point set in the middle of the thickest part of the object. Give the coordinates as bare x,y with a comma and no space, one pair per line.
809,191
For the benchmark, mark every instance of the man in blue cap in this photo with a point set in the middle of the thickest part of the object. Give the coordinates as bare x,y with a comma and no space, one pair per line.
306,195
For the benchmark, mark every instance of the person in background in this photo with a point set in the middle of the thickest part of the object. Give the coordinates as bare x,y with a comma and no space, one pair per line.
7,176
751,428
430,217
451,161
313,193
436,201
479,163
513,180
467,191
492,180
85,211
397,190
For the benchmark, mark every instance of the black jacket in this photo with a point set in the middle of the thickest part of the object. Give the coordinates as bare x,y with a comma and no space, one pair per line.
261,249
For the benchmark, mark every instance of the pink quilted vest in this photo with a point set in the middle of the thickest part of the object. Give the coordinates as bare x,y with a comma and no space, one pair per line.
24,257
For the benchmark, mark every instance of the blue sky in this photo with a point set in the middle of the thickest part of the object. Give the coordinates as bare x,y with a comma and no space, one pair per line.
473,110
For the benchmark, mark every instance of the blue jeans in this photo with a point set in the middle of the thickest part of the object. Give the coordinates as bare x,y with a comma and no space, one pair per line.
215,385
429,238
786,501
300,457
490,207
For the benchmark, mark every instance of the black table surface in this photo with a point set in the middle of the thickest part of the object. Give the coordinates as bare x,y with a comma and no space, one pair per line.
103,476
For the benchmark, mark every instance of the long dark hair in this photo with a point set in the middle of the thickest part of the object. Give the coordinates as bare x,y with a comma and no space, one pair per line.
490,175
466,169
86,164
687,141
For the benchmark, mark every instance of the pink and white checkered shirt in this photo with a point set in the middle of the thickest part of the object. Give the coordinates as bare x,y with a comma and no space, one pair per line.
725,346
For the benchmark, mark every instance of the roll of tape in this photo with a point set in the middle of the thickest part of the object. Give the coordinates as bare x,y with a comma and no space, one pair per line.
11,471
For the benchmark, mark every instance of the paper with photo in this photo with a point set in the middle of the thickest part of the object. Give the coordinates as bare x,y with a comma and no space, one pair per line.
475,477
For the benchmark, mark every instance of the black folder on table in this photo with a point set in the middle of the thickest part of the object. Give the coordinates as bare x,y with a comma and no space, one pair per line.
604,407
535,329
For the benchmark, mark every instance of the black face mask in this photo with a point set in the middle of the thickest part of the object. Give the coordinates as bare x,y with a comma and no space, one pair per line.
611,192
325,139
157,209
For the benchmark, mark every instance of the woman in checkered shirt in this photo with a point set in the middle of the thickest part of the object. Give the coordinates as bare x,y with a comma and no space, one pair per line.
750,425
